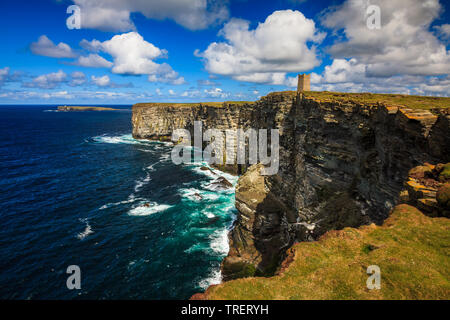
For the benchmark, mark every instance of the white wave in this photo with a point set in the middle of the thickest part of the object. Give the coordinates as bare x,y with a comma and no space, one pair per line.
215,277
219,242
219,245
51,110
151,167
199,167
122,139
197,195
130,199
165,157
210,215
205,169
142,182
87,231
148,209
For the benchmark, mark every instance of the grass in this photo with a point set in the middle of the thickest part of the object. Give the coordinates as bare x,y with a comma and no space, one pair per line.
411,249
413,102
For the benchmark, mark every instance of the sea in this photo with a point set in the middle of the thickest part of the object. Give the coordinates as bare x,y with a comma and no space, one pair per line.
77,190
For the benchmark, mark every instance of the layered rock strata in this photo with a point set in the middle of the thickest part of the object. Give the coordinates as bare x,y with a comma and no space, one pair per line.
342,164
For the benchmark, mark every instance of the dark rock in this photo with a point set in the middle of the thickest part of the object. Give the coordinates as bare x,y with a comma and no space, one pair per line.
220,184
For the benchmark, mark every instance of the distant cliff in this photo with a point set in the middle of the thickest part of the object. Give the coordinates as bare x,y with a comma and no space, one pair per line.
76,108
344,159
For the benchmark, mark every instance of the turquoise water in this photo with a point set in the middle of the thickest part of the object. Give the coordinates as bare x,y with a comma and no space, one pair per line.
77,189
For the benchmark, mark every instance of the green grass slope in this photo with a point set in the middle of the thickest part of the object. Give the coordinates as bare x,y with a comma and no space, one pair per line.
411,249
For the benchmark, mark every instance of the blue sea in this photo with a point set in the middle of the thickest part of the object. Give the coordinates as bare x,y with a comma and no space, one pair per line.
77,189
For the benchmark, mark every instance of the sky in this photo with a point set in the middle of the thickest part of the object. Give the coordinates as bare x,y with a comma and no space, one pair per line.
124,52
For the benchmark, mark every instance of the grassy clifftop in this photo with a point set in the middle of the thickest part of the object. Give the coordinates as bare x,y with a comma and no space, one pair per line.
413,102
411,249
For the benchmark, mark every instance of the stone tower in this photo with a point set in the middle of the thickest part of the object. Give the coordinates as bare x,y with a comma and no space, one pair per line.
304,81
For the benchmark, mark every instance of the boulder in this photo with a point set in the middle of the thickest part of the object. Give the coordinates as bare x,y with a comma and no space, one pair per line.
221,183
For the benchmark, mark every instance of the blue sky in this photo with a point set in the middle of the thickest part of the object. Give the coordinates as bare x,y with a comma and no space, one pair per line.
198,50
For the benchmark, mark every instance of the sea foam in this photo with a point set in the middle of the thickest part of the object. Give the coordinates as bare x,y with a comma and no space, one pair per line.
87,231
144,210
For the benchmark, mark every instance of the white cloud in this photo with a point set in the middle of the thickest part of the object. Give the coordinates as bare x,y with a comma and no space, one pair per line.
403,45
350,76
101,81
443,31
93,45
45,47
166,74
264,55
47,81
133,55
93,60
216,93
4,73
114,15
191,93
105,82
58,94
78,79
63,96
404,56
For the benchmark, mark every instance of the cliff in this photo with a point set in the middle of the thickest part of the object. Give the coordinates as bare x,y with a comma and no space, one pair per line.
344,161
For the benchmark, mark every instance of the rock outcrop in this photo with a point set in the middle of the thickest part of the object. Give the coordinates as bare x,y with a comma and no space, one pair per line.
428,189
342,164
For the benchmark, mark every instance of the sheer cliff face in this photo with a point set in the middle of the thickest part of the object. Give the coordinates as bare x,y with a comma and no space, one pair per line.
341,164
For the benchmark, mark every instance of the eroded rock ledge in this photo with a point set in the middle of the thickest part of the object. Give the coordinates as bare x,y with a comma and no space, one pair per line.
342,164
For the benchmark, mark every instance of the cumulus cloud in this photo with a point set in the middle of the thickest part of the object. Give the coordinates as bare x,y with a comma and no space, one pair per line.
78,79
265,54
93,60
64,95
45,47
165,74
132,55
101,81
348,75
216,93
105,82
56,79
114,15
403,45
4,74
404,56
47,81
443,31
7,76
